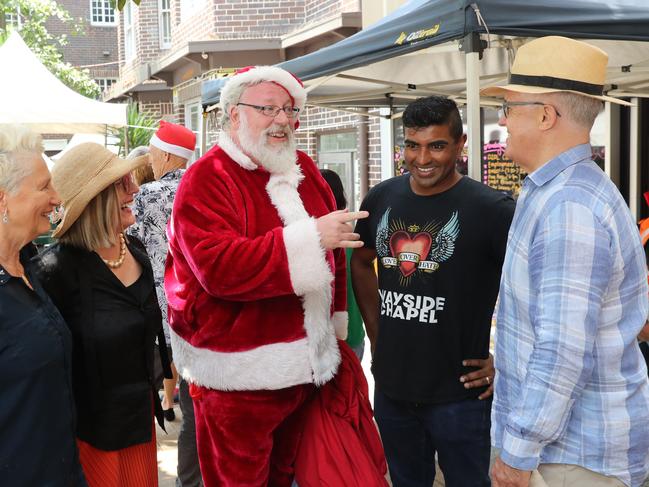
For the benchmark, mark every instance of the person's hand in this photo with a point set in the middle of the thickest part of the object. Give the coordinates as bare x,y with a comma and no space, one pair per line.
336,230
502,475
481,377
644,333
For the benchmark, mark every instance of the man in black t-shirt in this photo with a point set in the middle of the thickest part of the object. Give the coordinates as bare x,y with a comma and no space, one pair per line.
439,239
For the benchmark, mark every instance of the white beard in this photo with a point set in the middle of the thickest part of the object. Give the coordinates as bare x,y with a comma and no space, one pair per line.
274,159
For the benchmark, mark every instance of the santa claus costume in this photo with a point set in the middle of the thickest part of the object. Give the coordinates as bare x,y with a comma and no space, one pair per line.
253,300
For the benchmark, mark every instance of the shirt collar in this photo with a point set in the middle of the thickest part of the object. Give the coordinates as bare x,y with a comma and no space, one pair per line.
560,163
4,276
26,253
175,174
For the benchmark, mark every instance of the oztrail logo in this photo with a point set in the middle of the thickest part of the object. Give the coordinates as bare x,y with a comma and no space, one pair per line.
417,35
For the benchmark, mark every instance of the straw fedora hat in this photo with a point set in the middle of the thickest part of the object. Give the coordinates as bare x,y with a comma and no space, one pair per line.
553,64
82,173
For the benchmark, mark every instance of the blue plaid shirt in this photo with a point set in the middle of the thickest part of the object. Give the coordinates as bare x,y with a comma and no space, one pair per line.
571,384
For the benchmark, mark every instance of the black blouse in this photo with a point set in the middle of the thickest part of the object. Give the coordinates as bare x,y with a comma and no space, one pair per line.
37,418
114,329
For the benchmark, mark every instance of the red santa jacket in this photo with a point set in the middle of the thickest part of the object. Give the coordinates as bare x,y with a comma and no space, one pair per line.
253,297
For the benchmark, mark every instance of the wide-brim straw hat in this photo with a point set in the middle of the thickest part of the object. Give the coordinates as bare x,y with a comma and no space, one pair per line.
557,64
82,173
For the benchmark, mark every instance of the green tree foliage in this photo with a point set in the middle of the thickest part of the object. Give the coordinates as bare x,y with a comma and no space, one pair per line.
33,15
140,129
119,4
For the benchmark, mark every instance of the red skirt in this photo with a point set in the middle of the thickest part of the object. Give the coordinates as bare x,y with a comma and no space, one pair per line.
135,466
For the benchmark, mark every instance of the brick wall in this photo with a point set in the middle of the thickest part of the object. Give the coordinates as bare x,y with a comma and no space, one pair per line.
147,30
196,26
320,9
146,43
88,47
158,110
235,19
374,150
351,5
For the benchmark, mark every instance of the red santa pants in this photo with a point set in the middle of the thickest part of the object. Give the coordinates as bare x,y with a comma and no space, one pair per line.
248,438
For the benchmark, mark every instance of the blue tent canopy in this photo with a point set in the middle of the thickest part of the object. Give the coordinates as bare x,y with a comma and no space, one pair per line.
422,24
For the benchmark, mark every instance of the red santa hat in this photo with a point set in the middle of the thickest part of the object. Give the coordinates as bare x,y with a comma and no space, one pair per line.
174,139
257,74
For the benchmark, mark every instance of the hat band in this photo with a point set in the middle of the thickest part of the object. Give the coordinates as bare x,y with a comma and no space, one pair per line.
560,84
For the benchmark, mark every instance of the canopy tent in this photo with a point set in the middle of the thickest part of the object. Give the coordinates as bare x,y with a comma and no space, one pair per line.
31,95
433,47
415,50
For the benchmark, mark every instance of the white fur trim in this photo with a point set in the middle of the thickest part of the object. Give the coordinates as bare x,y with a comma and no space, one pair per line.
340,320
171,148
236,154
264,73
306,258
310,274
272,367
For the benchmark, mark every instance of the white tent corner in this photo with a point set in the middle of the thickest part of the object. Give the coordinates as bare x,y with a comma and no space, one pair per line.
31,95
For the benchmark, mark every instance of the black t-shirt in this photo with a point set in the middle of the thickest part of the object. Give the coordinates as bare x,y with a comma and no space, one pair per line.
439,261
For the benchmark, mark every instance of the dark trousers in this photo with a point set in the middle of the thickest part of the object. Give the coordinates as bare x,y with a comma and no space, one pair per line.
189,471
412,433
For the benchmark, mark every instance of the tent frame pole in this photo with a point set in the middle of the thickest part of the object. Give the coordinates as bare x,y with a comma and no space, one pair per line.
203,141
473,46
635,192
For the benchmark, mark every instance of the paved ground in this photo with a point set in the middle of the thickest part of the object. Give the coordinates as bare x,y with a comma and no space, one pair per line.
167,451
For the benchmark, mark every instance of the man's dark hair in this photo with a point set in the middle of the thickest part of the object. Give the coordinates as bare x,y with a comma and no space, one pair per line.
336,185
433,110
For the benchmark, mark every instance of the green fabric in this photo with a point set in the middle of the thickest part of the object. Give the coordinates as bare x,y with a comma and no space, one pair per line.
355,330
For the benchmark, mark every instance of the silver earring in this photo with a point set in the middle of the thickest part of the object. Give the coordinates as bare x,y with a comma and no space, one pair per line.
5,217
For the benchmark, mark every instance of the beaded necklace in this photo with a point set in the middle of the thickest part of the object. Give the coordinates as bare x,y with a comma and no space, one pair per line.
114,264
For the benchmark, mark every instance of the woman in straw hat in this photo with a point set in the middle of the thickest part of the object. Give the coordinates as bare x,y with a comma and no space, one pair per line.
35,343
103,285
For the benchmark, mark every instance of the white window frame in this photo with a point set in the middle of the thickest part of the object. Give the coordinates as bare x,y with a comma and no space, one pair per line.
129,33
14,19
189,107
165,42
105,83
104,11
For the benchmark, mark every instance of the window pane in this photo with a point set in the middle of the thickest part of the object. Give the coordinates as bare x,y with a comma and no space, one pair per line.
102,12
345,141
166,28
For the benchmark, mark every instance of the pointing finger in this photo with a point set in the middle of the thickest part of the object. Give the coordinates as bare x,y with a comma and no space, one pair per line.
354,215
351,244
350,236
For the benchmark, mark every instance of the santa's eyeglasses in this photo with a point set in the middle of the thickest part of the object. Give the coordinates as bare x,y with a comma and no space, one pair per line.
273,110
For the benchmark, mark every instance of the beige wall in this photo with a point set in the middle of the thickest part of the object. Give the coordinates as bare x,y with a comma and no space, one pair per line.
374,10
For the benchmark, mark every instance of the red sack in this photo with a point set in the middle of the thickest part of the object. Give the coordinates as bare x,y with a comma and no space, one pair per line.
340,445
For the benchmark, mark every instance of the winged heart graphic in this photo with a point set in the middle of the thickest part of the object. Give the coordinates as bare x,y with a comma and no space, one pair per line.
402,244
